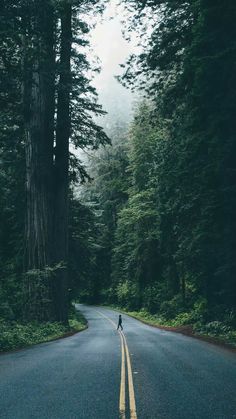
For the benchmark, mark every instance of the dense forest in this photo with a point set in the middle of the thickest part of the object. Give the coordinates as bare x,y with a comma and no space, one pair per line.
147,222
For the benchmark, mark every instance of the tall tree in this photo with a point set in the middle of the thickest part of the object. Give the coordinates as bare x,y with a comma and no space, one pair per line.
51,80
188,62
182,161
61,173
39,78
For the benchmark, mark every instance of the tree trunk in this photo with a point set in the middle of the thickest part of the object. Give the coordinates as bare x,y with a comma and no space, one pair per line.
39,123
62,166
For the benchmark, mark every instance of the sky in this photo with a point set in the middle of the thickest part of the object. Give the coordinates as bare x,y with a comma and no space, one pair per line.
112,49
109,46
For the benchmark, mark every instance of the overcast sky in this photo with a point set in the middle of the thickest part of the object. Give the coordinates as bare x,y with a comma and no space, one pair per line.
108,44
112,49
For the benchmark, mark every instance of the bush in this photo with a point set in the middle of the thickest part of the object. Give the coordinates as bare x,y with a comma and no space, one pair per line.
199,313
14,335
170,309
153,297
182,319
230,318
215,328
127,295
108,296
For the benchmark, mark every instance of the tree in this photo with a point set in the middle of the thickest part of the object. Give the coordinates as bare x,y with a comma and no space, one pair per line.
136,256
186,66
52,84
175,235
12,167
104,196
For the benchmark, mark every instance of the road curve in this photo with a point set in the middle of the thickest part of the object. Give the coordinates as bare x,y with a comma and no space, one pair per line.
146,373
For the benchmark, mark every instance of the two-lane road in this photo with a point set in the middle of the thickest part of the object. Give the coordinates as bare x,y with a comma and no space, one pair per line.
146,373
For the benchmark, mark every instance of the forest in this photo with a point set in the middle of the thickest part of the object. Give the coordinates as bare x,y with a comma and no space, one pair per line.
147,222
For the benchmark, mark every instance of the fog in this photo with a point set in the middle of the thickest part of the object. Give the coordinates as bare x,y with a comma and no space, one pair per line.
112,49
109,47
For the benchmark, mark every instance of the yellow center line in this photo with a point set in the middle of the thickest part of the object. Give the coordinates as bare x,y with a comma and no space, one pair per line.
103,315
132,404
125,350
122,381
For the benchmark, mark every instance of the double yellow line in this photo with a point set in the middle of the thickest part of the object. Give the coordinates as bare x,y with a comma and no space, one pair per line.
132,404
125,357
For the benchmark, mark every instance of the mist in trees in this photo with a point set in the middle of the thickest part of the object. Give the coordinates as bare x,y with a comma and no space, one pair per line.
172,241
152,224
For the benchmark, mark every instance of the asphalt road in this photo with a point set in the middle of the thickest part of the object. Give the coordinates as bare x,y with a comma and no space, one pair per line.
101,374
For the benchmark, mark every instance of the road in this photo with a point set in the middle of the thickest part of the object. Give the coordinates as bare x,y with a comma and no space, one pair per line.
146,373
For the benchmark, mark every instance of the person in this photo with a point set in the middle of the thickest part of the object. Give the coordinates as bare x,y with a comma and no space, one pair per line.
120,322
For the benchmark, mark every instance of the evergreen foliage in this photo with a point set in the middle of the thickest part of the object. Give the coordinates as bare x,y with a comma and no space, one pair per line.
47,101
154,228
174,245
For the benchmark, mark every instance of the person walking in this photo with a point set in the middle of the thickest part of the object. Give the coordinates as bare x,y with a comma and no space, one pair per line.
120,322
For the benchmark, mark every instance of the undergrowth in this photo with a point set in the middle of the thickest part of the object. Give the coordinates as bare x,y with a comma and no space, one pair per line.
15,335
224,330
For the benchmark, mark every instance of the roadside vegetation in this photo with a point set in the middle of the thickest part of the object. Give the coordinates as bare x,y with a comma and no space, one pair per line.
149,224
187,323
47,103
15,335
164,195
